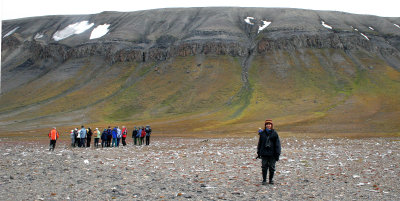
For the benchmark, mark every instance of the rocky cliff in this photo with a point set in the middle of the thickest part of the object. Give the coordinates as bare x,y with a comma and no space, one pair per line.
47,57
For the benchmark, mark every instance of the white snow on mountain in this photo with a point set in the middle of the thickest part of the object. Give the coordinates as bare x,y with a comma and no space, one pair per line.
10,32
326,25
265,24
99,31
397,26
247,20
38,36
72,29
364,36
371,28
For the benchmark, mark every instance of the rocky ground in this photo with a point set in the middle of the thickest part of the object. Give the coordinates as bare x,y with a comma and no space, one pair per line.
201,169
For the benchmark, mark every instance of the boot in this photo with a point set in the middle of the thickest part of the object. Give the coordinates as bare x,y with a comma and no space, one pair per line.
264,174
271,177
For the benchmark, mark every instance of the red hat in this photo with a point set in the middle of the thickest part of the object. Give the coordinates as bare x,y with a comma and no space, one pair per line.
269,121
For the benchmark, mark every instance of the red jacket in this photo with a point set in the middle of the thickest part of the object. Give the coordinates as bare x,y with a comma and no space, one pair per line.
124,131
143,133
53,135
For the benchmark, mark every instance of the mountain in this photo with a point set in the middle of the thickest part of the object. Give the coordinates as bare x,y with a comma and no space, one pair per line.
203,70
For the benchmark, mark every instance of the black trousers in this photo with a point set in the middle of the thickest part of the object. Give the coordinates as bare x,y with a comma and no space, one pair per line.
268,163
109,141
103,143
52,144
78,142
88,141
124,141
147,140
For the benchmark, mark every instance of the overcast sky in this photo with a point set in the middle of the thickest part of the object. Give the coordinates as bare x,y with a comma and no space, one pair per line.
13,9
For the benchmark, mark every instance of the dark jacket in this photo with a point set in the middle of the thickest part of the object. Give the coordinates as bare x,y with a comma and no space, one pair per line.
148,131
269,144
104,135
134,133
90,133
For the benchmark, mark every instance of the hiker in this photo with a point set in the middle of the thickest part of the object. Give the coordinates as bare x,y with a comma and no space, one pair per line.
104,138
148,132
53,135
72,138
139,134
78,137
109,136
89,136
97,136
119,135
134,135
76,143
142,135
83,133
269,150
124,133
114,137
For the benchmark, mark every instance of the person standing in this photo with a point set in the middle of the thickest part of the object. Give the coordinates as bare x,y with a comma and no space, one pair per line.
139,134
109,136
83,134
78,137
114,137
97,135
53,135
72,138
134,135
269,150
124,133
104,139
76,142
89,136
119,135
142,135
148,132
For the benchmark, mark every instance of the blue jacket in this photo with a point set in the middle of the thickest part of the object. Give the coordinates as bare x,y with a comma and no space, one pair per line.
83,133
139,133
114,133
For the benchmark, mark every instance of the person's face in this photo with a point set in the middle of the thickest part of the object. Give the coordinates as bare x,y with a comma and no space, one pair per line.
269,126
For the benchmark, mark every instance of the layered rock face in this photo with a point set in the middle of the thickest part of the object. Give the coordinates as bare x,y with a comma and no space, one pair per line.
34,47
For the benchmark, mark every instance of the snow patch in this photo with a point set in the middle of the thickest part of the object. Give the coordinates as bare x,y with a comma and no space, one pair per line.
38,36
265,24
364,36
72,29
248,20
99,31
371,28
10,32
397,26
86,161
326,25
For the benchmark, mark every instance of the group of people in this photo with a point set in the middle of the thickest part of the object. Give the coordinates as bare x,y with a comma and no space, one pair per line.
268,149
110,137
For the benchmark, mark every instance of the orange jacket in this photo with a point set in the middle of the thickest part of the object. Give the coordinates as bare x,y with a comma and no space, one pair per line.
53,135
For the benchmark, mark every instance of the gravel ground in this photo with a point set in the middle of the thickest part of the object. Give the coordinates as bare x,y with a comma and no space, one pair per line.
202,169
